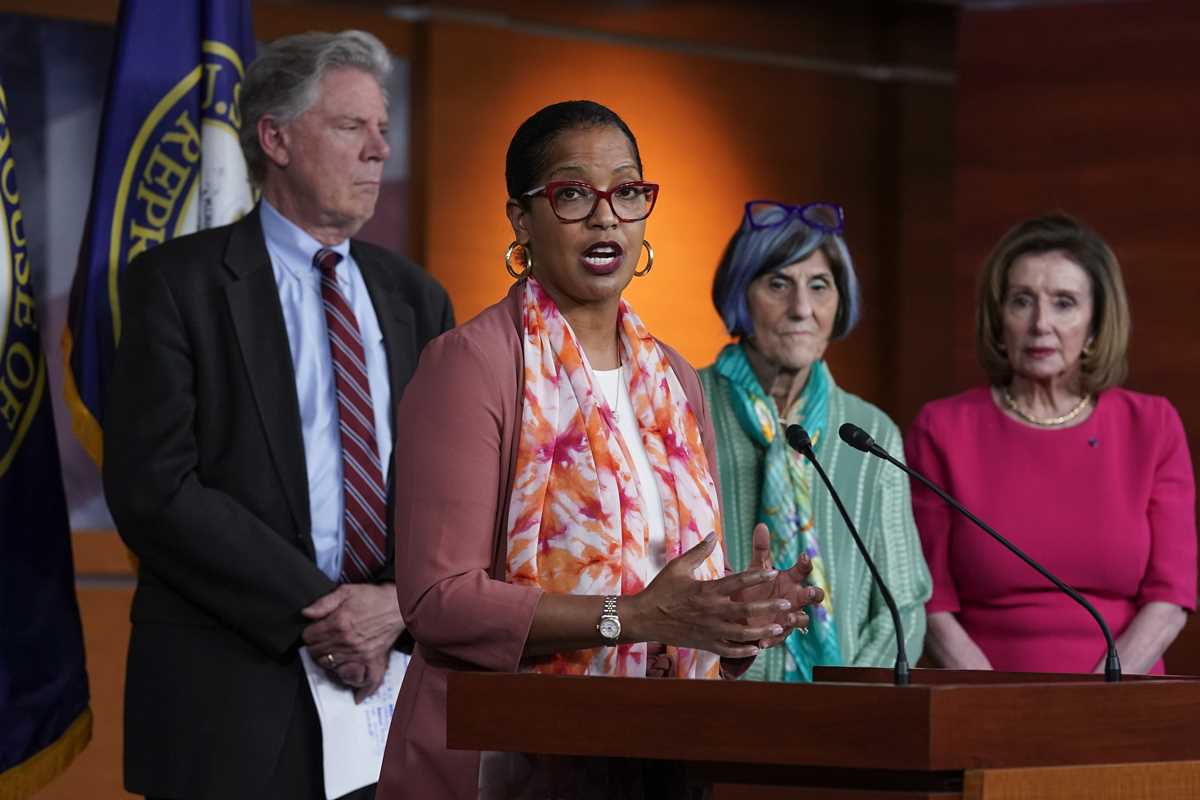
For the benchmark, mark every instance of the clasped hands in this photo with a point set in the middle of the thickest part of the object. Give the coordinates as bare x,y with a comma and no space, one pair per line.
353,632
735,616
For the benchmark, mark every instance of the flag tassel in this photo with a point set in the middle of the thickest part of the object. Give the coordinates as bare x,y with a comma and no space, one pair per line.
25,779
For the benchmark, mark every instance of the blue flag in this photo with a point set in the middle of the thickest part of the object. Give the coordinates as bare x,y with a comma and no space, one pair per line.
168,163
43,685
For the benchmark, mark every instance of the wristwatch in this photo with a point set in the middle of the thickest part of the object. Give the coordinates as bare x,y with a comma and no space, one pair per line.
609,624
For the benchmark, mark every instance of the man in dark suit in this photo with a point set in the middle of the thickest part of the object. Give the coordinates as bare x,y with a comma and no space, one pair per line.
248,440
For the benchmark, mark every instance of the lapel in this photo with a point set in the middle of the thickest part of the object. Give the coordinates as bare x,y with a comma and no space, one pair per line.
261,334
396,322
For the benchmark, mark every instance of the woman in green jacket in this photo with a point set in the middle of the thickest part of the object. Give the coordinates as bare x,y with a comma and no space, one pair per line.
785,288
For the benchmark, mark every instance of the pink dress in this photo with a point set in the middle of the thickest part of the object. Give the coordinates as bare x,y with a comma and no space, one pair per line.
1108,506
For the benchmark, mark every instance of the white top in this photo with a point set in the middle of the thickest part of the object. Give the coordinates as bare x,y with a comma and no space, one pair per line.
616,393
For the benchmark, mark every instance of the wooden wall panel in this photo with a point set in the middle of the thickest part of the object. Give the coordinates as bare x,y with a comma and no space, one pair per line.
1093,112
714,133
917,282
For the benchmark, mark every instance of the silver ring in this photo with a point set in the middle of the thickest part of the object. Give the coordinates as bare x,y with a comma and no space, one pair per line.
330,659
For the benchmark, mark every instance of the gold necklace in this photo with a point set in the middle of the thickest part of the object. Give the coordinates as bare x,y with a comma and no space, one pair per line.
616,414
1045,422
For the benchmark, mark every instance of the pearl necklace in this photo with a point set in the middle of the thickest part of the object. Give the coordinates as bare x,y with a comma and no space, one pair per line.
1045,422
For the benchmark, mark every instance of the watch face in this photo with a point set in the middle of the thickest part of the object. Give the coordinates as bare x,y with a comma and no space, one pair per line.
610,628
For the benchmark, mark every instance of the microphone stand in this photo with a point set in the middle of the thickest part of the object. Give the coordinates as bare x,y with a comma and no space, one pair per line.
859,439
797,437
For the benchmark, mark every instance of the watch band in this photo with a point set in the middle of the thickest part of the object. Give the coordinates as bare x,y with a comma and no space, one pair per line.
609,624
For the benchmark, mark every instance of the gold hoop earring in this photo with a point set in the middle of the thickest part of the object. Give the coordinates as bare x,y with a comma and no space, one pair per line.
526,256
649,261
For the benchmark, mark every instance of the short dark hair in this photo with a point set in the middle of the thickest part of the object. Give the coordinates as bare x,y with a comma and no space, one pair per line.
1105,363
751,253
530,145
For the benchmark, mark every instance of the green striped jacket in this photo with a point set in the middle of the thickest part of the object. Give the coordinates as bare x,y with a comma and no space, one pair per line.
876,495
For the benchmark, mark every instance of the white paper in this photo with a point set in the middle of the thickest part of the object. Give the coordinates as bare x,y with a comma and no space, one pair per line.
353,736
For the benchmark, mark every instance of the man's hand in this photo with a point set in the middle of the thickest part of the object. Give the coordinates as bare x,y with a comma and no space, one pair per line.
355,624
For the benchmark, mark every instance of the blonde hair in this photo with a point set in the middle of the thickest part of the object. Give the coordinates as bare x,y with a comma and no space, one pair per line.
1104,362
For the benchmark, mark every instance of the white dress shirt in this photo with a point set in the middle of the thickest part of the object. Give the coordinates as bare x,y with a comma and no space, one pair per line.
299,281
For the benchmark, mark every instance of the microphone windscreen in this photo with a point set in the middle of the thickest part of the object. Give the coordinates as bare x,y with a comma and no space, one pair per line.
856,437
797,437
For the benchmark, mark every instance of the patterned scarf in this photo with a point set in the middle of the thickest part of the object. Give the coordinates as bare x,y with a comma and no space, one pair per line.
786,504
576,523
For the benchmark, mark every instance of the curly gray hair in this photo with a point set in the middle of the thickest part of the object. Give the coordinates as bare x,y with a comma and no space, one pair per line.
282,83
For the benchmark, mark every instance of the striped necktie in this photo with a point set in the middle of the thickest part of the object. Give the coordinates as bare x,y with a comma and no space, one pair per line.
362,478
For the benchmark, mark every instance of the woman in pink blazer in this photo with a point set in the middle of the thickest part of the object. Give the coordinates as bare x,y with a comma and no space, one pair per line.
557,507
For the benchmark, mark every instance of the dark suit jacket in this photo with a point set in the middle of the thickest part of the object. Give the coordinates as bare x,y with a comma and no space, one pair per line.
204,473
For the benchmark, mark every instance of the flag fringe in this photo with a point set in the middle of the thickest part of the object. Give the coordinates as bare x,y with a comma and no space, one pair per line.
87,429
25,779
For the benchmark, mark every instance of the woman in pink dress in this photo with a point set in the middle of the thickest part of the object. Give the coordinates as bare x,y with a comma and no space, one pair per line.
1092,480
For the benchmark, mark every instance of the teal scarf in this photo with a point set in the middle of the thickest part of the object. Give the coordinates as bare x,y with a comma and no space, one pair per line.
786,502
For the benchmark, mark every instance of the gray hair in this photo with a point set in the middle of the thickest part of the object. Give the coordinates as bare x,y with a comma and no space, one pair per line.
283,82
752,252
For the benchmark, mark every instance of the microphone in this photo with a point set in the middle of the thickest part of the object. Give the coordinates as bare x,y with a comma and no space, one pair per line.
797,437
859,439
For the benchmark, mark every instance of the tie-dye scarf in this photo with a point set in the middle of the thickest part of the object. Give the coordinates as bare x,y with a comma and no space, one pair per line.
786,502
576,521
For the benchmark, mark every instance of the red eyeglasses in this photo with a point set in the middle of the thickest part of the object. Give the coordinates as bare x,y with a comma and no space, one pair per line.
574,201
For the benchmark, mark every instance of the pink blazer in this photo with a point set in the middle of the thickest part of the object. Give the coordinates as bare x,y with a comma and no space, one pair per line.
458,426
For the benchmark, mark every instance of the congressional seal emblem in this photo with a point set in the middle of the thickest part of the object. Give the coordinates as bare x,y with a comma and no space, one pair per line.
185,170
22,368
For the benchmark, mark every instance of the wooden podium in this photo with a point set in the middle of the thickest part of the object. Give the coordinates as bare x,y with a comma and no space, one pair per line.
851,735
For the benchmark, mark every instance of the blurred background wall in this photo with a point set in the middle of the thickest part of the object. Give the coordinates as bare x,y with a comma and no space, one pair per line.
936,124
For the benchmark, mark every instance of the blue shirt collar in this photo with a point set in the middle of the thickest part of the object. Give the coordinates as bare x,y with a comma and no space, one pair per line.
294,245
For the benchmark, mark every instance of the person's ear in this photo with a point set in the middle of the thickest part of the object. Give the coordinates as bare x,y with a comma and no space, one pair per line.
275,141
519,218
